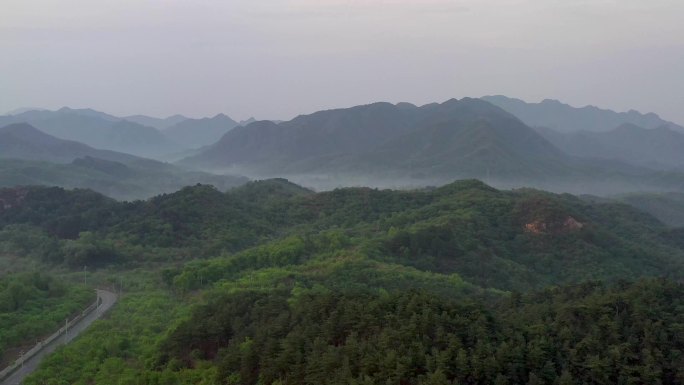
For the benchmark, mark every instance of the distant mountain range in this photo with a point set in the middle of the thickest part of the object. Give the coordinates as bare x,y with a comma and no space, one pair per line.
460,138
158,123
659,148
138,135
98,130
403,144
29,156
23,141
594,133
196,133
565,118
381,144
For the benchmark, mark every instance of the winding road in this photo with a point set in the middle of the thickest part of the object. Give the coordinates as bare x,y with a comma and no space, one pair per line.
107,299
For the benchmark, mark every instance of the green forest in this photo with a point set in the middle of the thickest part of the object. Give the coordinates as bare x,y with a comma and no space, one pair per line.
32,306
271,283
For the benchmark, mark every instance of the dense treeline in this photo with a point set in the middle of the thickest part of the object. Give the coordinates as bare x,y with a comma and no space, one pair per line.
363,286
504,239
586,334
33,305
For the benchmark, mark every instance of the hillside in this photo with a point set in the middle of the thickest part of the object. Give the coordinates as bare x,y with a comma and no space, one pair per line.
565,118
405,146
461,136
196,133
518,239
23,141
320,336
98,130
659,148
31,157
429,286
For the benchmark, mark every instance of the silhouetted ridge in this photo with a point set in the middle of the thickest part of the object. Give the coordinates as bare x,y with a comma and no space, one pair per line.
565,118
23,141
467,137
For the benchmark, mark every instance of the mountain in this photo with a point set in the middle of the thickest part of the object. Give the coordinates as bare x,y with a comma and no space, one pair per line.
458,138
158,123
248,121
98,130
660,147
195,133
31,157
90,113
565,118
405,146
23,141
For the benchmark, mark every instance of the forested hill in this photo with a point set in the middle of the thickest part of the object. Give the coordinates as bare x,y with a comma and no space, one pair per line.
271,283
586,334
502,239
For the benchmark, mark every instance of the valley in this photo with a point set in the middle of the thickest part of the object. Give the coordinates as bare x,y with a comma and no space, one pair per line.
437,244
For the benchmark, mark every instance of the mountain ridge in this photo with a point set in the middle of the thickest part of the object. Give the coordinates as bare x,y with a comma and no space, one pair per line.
563,117
357,133
23,141
196,133
98,130
658,148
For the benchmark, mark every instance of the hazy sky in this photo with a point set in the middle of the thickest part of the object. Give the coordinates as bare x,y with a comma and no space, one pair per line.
279,58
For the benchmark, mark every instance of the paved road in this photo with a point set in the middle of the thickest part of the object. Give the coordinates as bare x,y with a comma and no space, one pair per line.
108,300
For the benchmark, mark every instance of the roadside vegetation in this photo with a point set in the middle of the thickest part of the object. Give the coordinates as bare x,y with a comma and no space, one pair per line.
34,305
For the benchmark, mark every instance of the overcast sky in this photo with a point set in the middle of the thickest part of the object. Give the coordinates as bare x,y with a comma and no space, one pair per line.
278,58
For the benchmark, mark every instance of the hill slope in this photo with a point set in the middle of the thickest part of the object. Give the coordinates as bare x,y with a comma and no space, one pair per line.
565,118
23,141
505,240
403,145
363,284
659,147
387,138
98,130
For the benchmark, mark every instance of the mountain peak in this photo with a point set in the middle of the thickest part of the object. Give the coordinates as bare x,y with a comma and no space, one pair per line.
248,121
406,105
